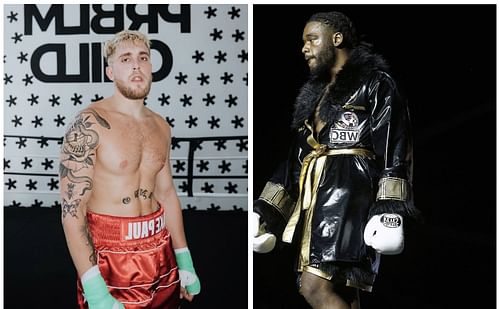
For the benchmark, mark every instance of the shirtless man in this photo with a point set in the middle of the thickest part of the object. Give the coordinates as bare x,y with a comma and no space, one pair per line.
120,211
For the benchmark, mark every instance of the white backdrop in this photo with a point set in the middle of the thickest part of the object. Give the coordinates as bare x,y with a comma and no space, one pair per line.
53,67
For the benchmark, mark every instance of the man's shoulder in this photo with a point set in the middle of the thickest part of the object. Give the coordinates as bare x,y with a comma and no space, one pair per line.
382,77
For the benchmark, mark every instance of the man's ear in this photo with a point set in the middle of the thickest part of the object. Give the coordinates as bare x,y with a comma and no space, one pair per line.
109,72
337,39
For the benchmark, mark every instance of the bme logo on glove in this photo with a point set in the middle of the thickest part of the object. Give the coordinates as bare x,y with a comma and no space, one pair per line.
390,220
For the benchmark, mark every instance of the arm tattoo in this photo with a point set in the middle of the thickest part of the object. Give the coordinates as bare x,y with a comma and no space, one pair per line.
90,243
78,148
70,208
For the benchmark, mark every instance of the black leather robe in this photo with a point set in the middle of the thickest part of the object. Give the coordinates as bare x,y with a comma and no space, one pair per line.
363,114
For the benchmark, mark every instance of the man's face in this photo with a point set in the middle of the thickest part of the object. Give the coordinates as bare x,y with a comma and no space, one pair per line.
318,48
130,69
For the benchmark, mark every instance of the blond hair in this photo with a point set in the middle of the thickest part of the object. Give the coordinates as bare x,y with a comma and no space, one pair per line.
132,36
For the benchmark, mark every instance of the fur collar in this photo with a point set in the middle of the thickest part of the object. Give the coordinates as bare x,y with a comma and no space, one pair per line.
353,74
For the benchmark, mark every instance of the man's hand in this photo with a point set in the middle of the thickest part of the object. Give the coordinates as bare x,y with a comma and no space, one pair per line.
263,242
187,274
185,295
96,292
384,233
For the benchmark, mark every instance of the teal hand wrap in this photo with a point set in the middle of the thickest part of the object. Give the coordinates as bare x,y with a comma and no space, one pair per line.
96,292
188,276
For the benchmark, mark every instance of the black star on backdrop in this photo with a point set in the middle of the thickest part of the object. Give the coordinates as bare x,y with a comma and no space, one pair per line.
213,207
197,145
96,98
209,99
12,17
235,13
227,78
184,187
243,56
7,79
17,121
220,144
6,163
224,167
238,35
190,207
231,188
43,142
203,79
54,100
245,79
179,166
207,188
214,122
236,208
221,57
21,142
33,99
203,165
11,100
59,120
210,12
27,162
22,57
31,185
237,121
175,144
164,99
56,204
37,203
11,184
245,166
186,100
37,122
15,204
17,37
53,184
198,56
77,99
4,58
181,78
192,121
27,79
242,145
48,164
216,34
170,121
231,101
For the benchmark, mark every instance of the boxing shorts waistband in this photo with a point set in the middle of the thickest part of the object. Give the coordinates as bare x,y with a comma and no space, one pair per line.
126,230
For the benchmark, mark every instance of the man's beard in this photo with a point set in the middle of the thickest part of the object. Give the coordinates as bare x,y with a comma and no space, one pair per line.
324,63
133,93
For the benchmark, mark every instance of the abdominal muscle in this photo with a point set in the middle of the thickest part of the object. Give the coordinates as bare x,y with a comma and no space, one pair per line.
124,196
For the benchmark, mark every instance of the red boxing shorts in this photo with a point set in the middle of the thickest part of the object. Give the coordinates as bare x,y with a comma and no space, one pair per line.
136,260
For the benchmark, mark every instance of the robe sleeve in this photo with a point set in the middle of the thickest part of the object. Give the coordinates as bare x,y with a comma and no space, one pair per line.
277,200
392,144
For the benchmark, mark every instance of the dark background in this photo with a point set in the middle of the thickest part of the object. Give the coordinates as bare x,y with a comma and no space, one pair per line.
444,60
39,273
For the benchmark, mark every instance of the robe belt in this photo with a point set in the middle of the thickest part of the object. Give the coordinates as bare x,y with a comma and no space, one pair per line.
312,169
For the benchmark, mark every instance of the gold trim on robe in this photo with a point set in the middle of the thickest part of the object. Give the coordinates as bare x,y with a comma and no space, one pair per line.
276,195
392,188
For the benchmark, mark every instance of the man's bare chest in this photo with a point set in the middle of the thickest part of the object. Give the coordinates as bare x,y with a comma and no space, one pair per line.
130,147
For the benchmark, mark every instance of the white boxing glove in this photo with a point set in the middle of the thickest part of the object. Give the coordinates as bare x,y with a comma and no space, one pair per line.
263,242
384,233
